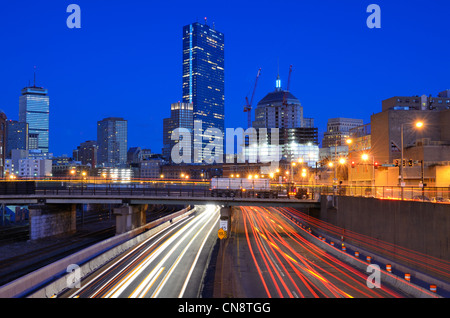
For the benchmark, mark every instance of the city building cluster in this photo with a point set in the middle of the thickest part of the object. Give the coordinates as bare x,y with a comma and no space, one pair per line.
406,143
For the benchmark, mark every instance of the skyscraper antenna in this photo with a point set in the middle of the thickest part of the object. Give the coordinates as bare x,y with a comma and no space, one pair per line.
278,81
34,82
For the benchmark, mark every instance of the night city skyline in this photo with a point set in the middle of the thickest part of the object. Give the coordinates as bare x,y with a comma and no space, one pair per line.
126,60
221,157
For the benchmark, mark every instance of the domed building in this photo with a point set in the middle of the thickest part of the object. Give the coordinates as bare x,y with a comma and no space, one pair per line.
298,139
278,109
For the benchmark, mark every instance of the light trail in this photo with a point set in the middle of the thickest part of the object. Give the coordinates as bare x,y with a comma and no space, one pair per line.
292,266
147,269
420,260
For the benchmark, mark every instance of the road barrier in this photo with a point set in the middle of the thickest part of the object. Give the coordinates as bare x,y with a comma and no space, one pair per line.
386,276
51,279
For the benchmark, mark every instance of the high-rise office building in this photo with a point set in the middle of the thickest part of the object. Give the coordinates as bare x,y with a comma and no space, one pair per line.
181,116
87,153
16,136
338,131
204,76
112,141
34,109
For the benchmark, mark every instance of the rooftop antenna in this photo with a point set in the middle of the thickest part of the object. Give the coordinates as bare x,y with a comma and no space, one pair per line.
278,81
205,20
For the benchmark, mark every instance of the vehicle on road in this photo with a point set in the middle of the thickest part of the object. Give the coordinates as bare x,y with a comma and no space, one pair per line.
242,187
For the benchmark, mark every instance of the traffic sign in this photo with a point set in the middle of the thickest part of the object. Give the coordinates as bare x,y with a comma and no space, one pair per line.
223,224
222,234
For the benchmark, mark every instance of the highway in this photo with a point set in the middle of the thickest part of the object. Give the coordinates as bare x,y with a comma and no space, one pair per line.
270,259
170,264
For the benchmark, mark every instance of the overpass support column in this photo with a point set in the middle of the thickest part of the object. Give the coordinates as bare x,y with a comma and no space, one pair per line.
51,219
225,218
130,217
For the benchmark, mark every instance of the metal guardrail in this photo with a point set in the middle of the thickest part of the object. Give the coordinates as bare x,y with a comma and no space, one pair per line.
423,194
202,189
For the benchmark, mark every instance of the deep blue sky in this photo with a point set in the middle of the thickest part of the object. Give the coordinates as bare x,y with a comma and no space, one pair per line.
126,59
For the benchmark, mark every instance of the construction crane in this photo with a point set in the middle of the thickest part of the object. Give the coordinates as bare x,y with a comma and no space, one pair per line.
248,105
287,89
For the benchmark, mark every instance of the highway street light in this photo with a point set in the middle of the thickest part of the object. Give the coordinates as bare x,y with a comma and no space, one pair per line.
419,125
365,157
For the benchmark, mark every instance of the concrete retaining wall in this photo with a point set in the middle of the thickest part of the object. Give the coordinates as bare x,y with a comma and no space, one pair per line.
50,220
419,226
51,279
385,277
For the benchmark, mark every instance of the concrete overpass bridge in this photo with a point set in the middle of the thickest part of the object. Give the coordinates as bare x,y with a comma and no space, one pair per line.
52,206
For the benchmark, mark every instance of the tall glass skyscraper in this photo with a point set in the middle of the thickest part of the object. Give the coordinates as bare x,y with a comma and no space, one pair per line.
112,140
34,109
204,76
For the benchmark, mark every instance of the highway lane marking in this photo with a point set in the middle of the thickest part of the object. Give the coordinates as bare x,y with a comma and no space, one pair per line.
123,284
178,259
126,281
147,283
114,264
196,259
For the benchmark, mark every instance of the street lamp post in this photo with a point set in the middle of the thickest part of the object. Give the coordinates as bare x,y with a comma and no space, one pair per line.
418,124
365,157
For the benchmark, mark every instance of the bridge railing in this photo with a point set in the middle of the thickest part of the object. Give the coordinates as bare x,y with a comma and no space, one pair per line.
202,189
122,189
424,194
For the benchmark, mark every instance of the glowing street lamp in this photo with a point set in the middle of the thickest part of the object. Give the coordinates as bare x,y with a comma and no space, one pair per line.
365,157
419,125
